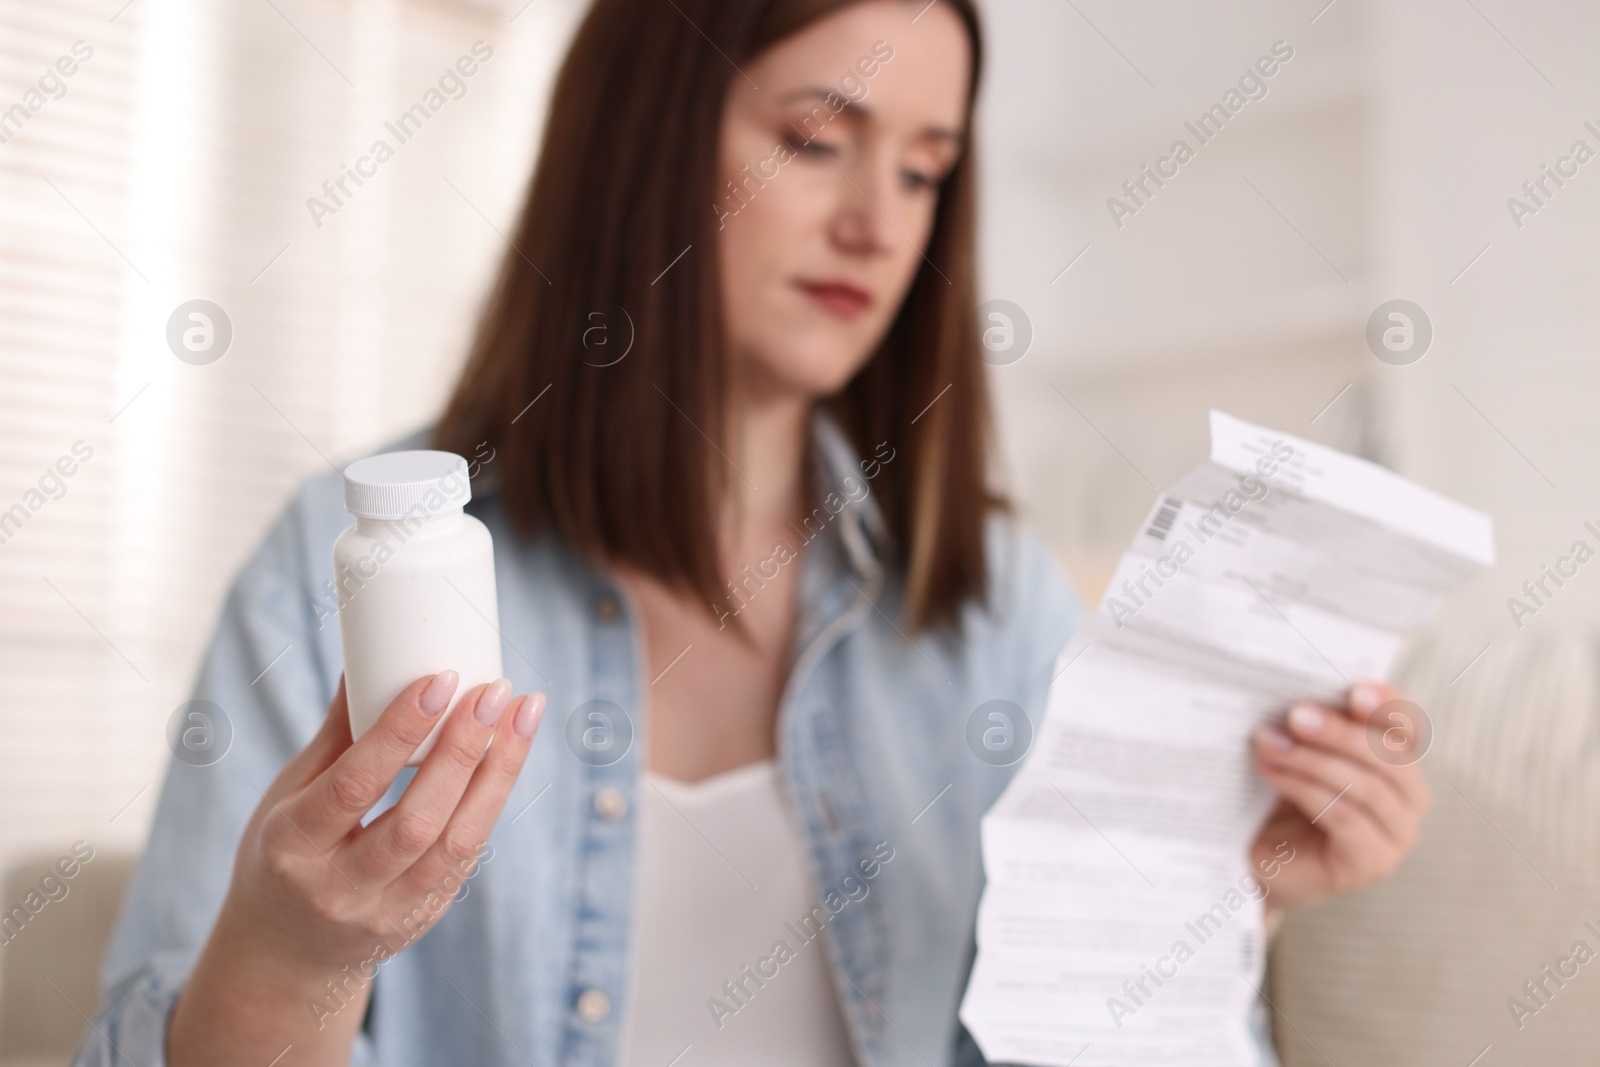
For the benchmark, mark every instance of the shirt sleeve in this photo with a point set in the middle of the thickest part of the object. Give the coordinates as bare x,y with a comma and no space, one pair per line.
266,686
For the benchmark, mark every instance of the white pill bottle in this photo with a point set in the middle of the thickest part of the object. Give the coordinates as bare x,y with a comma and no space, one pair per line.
414,579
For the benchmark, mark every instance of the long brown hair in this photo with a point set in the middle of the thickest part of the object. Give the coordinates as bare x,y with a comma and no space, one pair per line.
616,457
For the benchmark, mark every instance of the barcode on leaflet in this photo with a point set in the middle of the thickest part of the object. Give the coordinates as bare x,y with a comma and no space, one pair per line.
1161,525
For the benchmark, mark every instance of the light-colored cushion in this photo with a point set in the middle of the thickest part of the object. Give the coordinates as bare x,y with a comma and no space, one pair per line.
1421,970
50,970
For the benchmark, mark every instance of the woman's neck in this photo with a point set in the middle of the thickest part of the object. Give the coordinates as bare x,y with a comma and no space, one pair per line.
768,440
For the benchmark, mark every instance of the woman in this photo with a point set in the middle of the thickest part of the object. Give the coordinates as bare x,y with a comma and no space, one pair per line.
730,418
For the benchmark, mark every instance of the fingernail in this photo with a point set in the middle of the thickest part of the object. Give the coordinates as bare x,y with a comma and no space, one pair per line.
1307,718
1365,699
437,695
528,715
1274,738
493,701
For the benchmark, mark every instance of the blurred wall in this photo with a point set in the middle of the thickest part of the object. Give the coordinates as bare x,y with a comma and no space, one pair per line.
1377,166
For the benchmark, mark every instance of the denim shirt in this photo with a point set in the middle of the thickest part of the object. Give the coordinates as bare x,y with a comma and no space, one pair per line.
530,964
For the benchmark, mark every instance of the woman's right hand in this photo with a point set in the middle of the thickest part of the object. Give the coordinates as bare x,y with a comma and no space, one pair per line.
316,896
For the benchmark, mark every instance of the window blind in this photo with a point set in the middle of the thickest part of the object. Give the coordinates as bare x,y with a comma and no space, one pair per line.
176,163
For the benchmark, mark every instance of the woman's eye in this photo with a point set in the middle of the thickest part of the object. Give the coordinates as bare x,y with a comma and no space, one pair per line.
812,149
915,180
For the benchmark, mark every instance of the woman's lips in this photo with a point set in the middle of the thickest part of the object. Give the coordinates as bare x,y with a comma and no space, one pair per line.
845,300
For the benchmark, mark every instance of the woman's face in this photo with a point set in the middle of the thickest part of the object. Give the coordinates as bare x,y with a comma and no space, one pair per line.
835,162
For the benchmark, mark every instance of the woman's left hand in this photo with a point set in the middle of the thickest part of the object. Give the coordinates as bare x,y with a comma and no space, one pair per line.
1351,800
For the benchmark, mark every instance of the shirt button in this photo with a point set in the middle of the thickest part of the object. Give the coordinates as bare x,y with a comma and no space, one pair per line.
606,606
610,804
593,1006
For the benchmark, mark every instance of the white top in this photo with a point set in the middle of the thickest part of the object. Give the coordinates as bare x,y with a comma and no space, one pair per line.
722,973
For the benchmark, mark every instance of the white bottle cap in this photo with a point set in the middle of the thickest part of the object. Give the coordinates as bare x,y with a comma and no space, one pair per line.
401,485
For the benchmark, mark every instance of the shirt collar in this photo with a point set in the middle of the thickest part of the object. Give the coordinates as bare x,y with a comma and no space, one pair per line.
837,469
